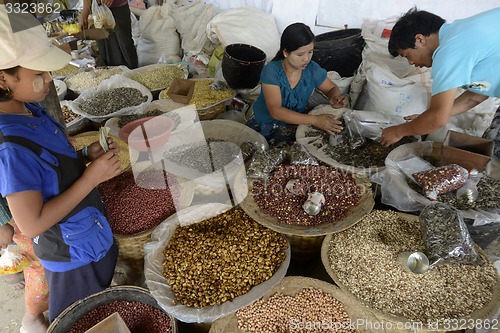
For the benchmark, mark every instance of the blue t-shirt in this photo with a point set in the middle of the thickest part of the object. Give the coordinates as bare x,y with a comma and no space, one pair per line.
87,233
468,55
295,99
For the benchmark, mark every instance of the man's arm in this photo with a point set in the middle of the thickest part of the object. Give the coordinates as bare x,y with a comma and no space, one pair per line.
438,115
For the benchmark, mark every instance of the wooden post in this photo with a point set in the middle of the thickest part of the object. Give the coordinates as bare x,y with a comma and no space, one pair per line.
51,102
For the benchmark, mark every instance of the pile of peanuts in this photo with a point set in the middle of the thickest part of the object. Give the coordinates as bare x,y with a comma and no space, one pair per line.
135,205
364,258
339,188
139,317
441,180
311,310
221,258
68,114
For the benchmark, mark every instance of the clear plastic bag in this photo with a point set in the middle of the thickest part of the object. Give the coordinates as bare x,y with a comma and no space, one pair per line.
356,139
102,15
264,162
300,156
446,237
441,180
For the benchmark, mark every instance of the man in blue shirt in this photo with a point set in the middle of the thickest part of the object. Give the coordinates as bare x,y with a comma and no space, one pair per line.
463,54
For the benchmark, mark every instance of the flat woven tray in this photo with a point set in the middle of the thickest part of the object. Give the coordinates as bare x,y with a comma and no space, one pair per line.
487,312
354,214
291,285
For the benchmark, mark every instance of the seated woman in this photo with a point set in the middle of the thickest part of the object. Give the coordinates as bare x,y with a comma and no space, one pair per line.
287,83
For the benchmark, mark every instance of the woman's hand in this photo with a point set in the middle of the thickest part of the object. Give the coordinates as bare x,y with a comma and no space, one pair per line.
103,168
338,101
328,123
95,149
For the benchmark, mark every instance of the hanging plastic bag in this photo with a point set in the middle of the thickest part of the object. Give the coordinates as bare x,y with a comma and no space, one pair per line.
102,15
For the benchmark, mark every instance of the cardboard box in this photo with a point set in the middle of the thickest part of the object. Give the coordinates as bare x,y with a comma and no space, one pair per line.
112,324
181,90
469,151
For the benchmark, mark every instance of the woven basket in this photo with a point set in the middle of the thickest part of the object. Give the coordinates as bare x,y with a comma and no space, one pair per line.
291,285
487,312
131,247
65,321
212,111
306,240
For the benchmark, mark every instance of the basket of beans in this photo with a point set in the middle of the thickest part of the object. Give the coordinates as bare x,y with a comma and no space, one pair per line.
210,153
137,201
336,151
280,203
136,306
299,304
364,261
209,260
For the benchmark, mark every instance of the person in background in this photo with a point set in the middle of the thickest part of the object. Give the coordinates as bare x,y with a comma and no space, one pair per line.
118,49
463,54
287,83
49,189
36,291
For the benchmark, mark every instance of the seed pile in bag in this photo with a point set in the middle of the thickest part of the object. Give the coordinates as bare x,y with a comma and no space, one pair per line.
441,180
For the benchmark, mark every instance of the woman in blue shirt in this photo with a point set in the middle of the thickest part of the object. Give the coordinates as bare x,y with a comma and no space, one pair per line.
287,83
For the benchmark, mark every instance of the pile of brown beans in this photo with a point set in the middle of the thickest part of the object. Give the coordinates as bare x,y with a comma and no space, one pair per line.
339,188
221,258
135,205
311,310
139,317
364,258
441,180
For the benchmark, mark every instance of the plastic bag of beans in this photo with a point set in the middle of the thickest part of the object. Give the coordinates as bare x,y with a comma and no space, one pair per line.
446,236
263,162
300,156
441,180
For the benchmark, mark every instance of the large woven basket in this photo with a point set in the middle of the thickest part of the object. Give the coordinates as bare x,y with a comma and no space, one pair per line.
131,247
481,314
76,311
306,240
291,285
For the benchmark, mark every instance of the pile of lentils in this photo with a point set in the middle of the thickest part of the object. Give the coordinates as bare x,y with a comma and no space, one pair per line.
124,120
277,314
139,317
157,77
135,205
205,157
220,258
338,187
203,95
91,78
372,154
112,100
364,258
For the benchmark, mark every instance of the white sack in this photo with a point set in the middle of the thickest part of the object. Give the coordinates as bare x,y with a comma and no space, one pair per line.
158,37
245,25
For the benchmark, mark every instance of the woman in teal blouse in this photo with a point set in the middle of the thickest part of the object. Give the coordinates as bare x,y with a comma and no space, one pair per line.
287,83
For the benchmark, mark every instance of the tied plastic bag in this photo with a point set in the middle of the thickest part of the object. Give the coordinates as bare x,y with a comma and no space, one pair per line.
446,237
356,139
102,15
300,156
441,180
264,162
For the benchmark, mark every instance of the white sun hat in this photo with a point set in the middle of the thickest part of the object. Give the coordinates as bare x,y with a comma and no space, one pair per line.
24,42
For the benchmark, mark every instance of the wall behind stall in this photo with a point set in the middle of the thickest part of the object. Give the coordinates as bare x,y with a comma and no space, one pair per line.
328,15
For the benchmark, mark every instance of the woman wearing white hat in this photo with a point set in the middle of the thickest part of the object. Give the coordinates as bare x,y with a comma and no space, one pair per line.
51,194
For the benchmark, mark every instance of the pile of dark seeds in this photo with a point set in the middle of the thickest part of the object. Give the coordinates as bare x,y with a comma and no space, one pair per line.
372,154
137,205
110,101
139,317
339,188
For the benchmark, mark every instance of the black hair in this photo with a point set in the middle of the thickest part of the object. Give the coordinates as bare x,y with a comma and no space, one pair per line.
5,94
293,37
410,24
